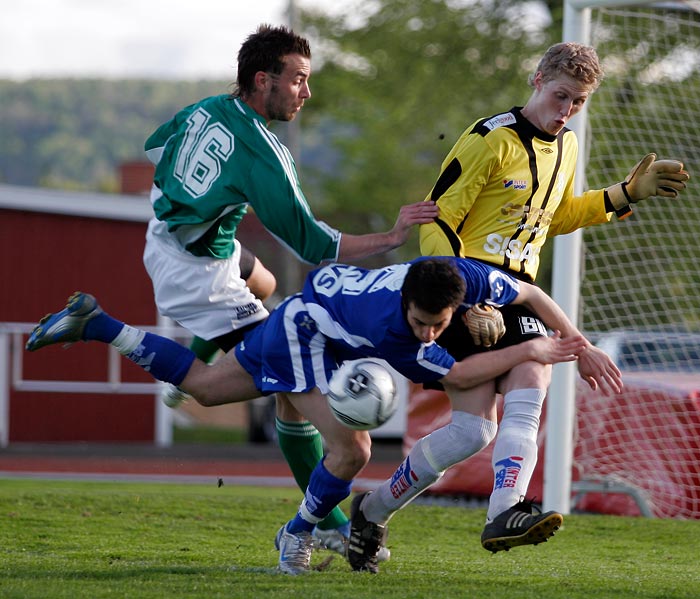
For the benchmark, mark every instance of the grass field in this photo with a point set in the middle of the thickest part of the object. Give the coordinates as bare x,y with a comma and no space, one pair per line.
61,539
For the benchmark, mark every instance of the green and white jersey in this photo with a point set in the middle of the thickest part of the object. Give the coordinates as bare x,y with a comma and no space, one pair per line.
213,159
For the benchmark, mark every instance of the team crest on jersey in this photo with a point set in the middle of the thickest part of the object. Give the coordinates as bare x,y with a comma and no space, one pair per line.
515,183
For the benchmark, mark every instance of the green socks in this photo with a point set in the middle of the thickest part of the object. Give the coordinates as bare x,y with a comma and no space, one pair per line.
302,447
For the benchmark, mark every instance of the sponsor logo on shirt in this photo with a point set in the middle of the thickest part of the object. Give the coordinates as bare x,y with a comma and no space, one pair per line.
513,249
514,184
518,211
500,121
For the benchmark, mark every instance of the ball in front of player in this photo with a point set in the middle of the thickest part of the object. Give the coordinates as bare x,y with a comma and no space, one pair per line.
363,394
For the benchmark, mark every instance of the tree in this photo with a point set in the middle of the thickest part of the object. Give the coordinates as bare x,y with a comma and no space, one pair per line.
396,82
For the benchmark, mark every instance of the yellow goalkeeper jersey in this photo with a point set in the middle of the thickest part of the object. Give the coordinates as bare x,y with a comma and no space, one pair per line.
503,189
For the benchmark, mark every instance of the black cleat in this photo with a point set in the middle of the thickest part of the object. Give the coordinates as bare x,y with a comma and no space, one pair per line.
365,539
520,525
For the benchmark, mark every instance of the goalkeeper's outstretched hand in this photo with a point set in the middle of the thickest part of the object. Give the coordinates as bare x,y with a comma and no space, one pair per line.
649,177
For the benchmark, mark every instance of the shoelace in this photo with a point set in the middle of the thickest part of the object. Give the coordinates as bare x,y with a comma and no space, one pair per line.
297,552
528,505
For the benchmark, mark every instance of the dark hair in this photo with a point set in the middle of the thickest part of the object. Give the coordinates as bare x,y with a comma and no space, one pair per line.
265,50
433,284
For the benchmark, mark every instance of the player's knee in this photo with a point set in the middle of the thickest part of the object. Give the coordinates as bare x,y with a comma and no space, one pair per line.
205,399
357,453
526,375
346,460
261,282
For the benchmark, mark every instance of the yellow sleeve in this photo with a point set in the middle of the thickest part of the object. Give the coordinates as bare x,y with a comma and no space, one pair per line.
581,211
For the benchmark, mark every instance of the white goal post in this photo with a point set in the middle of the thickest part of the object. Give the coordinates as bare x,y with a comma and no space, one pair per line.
635,136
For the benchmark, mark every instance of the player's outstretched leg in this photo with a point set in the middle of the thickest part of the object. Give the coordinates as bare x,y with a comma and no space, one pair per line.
66,326
522,524
365,538
83,320
206,351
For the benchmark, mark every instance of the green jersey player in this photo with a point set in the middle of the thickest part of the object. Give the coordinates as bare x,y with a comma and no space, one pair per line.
213,160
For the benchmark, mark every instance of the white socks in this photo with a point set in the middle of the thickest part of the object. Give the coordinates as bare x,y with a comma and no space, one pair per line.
430,457
515,450
128,339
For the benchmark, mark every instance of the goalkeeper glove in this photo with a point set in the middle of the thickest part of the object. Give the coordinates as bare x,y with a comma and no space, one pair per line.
649,177
485,324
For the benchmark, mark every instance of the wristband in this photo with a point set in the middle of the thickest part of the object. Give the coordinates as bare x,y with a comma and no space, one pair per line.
622,212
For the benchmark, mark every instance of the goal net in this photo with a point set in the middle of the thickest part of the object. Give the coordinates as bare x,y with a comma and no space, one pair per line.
640,292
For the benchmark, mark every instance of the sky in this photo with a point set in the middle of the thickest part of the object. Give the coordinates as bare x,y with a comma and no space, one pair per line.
174,39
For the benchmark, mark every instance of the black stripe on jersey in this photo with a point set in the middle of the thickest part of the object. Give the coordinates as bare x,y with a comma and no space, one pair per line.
452,237
446,179
548,195
526,137
479,128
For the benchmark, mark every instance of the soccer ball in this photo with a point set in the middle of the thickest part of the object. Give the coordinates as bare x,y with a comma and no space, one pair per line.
362,394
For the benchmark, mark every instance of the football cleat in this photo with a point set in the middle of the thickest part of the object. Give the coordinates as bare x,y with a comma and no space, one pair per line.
335,540
365,540
66,326
332,539
295,551
522,524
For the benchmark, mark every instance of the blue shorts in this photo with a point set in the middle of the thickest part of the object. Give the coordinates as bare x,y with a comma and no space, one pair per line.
288,353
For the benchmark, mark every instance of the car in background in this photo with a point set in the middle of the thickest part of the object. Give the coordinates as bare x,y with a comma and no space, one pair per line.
638,452
651,350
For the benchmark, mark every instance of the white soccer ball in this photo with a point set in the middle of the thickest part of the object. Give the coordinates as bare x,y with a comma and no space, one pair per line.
362,394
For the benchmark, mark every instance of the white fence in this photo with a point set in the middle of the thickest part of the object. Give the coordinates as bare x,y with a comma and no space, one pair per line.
12,339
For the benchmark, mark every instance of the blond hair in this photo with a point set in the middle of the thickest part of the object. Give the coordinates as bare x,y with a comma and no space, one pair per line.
573,59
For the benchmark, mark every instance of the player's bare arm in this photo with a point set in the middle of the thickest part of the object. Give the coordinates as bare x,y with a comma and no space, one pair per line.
595,366
480,368
354,247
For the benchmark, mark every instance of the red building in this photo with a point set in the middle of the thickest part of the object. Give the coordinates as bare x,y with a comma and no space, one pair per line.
53,243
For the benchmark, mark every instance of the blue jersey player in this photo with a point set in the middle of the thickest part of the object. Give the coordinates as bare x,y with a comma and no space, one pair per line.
396,313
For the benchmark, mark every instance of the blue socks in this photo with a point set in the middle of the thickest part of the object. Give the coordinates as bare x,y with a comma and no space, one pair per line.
102,328
324,492
165,359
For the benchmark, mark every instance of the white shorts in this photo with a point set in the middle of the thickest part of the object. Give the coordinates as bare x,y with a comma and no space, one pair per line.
205,295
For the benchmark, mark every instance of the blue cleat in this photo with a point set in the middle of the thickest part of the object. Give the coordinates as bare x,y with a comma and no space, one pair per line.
66,326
